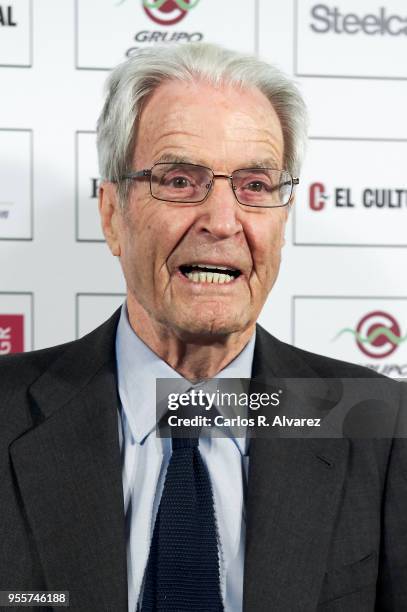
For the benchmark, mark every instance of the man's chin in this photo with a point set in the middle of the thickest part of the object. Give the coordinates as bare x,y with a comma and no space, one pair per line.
206,331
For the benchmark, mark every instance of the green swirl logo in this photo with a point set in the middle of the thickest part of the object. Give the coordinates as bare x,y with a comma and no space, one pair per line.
377,334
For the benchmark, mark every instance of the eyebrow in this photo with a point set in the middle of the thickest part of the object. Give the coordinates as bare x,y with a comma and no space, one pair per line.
177,159
270,162
181,159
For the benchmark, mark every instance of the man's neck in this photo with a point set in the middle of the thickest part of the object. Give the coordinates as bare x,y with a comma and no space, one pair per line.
193,357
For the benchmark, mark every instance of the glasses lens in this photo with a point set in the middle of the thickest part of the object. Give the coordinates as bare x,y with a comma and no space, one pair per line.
175,182
262,186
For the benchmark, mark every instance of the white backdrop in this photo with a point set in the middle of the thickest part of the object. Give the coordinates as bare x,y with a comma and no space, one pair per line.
341,289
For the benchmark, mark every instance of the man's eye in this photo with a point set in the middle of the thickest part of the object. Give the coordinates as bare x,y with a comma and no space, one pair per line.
180,182
256,186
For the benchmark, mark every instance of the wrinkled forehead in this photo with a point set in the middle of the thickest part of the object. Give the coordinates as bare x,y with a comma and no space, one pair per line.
195,118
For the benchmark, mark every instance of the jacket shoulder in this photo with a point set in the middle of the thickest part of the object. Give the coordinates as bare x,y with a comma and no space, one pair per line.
297,361
24,368
328,367
29,381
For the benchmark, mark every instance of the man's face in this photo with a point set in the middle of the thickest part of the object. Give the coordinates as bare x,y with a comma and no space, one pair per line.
225,129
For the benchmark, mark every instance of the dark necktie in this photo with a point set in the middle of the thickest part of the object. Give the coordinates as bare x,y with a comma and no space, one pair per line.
182,572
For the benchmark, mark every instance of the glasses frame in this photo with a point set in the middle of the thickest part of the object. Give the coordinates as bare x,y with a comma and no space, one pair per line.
147,173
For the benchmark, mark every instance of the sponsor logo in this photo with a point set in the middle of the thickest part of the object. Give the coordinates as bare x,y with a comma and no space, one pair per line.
372,195
16,33
11,333
323,27
331,20
123,27
145,36
317,196
368,198
377,335
7,18
15,196
168,12
369,331
94,188
165,13
87,188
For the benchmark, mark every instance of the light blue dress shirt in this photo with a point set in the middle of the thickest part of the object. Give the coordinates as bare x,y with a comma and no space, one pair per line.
145,459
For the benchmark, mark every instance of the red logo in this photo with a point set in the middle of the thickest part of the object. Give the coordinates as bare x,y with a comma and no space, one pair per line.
317,196
11,334
168,12
378,334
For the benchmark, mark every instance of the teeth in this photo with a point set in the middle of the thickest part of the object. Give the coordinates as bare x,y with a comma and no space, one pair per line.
219,275
209,277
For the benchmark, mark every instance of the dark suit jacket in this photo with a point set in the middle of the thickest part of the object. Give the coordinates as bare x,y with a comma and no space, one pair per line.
326,518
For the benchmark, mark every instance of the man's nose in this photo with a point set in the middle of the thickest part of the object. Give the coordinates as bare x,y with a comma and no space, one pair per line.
220,213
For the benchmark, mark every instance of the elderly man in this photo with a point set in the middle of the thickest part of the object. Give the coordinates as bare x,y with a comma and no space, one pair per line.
199,152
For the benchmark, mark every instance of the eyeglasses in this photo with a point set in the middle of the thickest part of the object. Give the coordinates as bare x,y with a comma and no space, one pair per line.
184,183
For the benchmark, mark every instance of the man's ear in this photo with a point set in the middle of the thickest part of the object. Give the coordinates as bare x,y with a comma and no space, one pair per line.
110,215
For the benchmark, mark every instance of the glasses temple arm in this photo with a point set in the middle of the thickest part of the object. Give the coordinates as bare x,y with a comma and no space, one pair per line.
136,175
294,181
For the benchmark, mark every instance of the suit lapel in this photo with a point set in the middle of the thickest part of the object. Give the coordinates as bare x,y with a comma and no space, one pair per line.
68,471
293,494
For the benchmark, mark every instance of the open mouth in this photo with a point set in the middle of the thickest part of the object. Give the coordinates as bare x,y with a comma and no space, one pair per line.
208,273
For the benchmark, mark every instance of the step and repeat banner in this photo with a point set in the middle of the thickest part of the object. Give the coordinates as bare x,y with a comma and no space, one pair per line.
342,289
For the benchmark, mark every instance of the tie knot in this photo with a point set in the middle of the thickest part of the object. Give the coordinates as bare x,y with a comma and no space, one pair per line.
189,424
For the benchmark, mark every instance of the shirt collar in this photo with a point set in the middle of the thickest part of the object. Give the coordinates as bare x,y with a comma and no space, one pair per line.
138,368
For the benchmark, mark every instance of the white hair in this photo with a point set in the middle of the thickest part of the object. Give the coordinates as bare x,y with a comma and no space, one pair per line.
133,81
